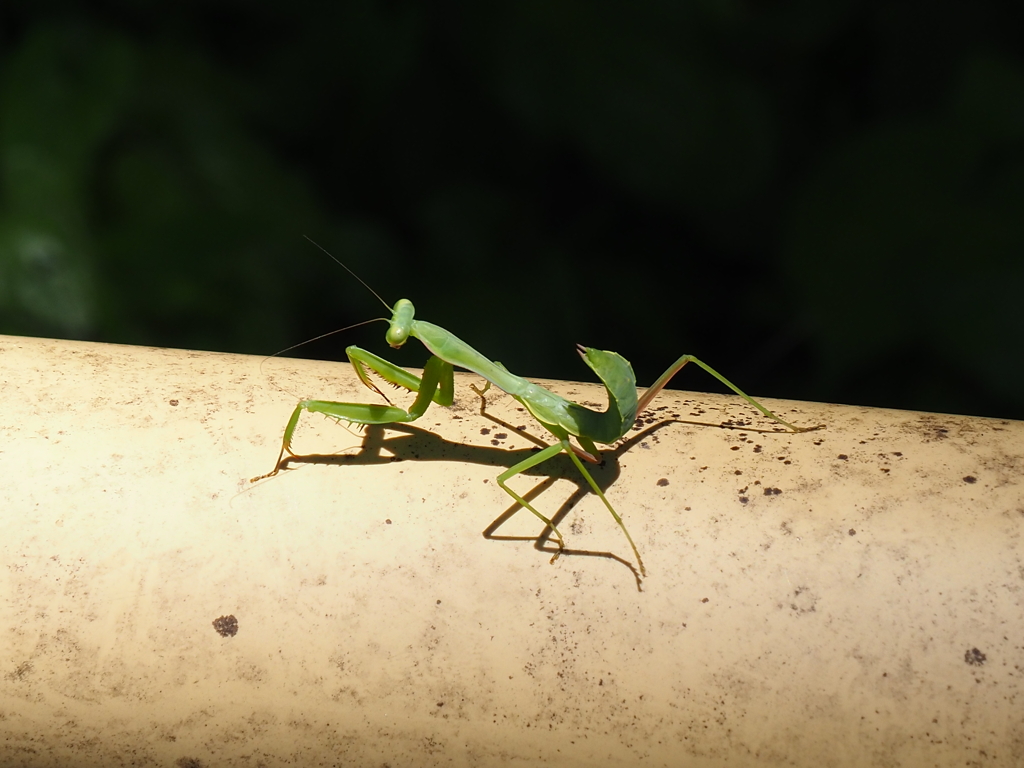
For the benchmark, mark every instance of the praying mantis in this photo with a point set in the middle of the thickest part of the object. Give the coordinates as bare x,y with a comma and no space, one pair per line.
561,417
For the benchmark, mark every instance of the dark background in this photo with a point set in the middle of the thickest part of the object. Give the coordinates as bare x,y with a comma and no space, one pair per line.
824,200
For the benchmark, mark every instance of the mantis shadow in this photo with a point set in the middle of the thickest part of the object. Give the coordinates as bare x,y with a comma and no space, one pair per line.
417,444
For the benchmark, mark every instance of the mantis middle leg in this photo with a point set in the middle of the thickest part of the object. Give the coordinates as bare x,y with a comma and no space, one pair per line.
549,453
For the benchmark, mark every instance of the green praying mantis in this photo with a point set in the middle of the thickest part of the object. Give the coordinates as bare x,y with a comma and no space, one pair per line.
561,417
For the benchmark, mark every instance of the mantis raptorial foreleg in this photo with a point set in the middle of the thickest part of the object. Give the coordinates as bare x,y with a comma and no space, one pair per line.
437,384
562,418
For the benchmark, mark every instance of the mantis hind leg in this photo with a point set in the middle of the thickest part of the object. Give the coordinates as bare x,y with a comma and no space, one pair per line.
437,384
678,365
594,487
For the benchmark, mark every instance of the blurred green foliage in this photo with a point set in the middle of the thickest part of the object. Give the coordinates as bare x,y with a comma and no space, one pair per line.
824,201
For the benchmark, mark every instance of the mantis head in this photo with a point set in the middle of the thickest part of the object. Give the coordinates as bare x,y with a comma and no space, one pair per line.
401,323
